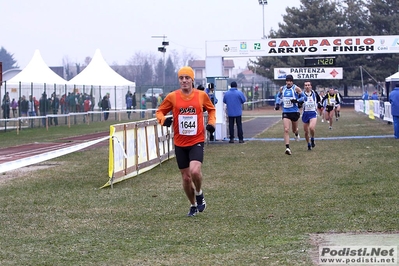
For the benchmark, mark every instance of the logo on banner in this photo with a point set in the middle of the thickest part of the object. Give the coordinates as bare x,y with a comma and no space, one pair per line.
257,46
395,44
334,73
281,74
382,45
243,48
226,48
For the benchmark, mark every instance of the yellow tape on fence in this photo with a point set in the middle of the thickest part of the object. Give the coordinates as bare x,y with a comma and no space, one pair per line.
371,109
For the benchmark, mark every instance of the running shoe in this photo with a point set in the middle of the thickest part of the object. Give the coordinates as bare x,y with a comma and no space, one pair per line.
322,120
241,141
193,211
201,202
288,151
297,137
330,128
309,148
313,144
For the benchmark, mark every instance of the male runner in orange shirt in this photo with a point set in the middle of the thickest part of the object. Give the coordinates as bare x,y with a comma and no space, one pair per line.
187,105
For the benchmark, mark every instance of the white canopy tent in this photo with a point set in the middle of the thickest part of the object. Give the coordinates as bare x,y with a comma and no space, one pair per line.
393,78
99,78
35,79
390,82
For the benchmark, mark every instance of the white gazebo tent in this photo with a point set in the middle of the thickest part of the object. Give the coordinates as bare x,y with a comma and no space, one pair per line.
394,77
35,79
390,83
99,78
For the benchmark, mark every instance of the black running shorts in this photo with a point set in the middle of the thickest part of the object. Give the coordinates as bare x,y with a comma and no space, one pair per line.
292,116
184,155
329,108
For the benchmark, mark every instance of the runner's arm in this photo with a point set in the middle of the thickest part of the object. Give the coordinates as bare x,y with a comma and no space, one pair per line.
165,107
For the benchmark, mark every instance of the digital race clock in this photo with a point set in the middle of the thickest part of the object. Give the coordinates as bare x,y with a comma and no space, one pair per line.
319,61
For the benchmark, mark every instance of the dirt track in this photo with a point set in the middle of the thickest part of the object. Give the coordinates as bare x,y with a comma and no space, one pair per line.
22,151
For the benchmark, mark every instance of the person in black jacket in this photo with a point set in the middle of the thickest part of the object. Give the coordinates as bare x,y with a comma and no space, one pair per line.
55,104
24,107
43,107
106,106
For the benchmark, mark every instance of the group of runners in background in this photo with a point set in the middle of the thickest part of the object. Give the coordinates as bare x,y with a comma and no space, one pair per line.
292,98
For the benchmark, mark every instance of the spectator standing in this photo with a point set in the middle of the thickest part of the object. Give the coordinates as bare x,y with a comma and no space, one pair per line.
134,101
24,107
154,102
14,106
87,105
234,99
43,107
36,105
67,104
55,105
32,109
129,103
143,106
394,101
63,104
187,105
50,111
210,90
211,93
72,103
106,106
365,95
81,98
5,105
127,94
374,96
92,102
159,99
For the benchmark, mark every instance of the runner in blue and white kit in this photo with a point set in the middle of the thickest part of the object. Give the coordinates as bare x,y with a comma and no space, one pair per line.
290,95
309,114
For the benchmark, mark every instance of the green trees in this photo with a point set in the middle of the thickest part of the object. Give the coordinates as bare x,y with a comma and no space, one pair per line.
7,59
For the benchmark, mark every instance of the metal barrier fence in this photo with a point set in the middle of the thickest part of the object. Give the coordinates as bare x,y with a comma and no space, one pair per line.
136,147
71,119
375,108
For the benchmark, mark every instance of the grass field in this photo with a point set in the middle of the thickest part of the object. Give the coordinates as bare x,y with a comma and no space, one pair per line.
262,204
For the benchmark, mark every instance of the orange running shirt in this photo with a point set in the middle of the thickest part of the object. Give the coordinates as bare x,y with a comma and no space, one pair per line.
188,117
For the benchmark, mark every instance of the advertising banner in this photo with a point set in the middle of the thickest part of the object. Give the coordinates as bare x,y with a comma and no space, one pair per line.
320,46
309,73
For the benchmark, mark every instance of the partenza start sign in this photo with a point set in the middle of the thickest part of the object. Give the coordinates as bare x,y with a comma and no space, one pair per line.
304,46
309,72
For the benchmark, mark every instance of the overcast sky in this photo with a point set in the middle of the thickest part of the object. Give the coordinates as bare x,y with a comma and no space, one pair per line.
120,28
